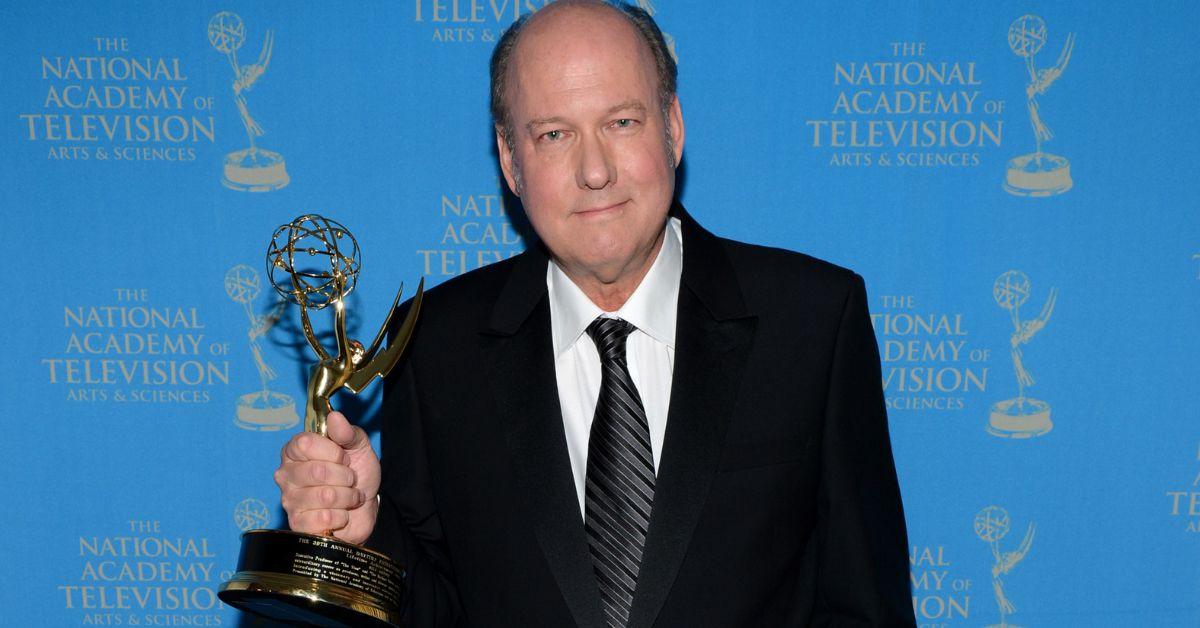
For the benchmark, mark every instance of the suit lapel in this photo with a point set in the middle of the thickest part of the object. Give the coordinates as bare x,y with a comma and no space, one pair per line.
520,363
713,338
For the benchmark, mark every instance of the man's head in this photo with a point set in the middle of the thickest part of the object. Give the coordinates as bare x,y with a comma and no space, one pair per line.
638,17
589,132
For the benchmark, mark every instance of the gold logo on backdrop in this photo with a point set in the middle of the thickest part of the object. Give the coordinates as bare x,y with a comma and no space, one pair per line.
939,594
140,572
991,526
262,409
251,514
1038,173
477,232
462,21
1186,502
251,169
1020,417
1196,481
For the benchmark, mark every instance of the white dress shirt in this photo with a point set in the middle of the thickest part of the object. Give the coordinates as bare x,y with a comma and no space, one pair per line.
650,349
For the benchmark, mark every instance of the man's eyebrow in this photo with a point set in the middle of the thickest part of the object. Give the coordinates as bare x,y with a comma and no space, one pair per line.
540,121
635,105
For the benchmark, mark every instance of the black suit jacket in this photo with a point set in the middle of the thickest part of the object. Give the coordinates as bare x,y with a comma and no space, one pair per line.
776,502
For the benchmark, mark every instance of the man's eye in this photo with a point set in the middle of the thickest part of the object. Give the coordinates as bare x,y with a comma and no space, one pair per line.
553,135
624,122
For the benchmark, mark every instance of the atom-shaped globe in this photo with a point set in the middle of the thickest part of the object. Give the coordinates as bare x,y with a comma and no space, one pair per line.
226,32
1011,289
309,257
242,283
991,524
251,514
1027,35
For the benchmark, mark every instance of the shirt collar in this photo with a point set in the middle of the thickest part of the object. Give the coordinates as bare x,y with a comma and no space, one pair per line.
651,308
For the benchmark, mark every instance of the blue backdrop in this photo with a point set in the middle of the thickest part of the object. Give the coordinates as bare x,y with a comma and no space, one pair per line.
1035,300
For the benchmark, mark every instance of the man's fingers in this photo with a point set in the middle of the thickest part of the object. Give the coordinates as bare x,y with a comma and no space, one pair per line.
345,435
307,446
314,473
319,489
316,498
319,521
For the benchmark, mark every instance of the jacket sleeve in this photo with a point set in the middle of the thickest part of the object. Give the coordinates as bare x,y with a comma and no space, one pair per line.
862,555
408,528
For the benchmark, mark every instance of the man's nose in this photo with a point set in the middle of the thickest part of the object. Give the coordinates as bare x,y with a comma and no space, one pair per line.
596,169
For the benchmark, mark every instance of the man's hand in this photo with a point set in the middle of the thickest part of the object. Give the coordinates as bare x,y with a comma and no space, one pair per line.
330,484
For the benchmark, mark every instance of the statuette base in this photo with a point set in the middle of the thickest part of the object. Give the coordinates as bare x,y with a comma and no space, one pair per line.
1010,420
257,171
314,580
1038,175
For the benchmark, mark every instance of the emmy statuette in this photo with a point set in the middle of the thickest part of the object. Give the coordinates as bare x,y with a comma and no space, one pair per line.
1038,173
264,409
251,169
991,525
1022,416
306,578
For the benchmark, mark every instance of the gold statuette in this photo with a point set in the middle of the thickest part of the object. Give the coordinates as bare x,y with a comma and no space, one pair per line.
317,579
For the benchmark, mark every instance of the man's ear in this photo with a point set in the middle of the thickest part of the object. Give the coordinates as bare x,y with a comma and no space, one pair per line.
675,125
506,160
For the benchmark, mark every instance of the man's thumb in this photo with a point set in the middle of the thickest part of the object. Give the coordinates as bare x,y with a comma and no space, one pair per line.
339,430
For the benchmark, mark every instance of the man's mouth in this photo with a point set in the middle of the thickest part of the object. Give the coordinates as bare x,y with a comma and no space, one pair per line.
598,210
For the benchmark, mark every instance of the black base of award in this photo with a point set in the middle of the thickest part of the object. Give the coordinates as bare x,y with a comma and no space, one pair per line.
312,580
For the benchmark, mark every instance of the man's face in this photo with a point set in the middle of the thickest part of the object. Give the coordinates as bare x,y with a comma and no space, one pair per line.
590,159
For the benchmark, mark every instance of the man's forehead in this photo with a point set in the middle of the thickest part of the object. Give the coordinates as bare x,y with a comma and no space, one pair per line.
580,46
561,31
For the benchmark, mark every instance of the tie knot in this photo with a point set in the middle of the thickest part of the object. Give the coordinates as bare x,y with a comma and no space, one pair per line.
609,335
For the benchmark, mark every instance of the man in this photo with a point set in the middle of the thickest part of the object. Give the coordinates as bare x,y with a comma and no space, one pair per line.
634,422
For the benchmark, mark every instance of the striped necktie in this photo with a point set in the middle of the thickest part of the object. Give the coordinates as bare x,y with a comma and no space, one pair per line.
620,475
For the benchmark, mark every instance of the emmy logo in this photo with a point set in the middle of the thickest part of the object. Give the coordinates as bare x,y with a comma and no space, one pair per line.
251,169
1021,417
1039,173
264,409
991,525
1197,257
251,514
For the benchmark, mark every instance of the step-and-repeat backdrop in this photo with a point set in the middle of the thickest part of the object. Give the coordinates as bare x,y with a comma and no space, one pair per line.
1015,180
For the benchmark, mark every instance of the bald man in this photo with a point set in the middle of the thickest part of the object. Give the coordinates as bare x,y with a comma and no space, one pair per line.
634,422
